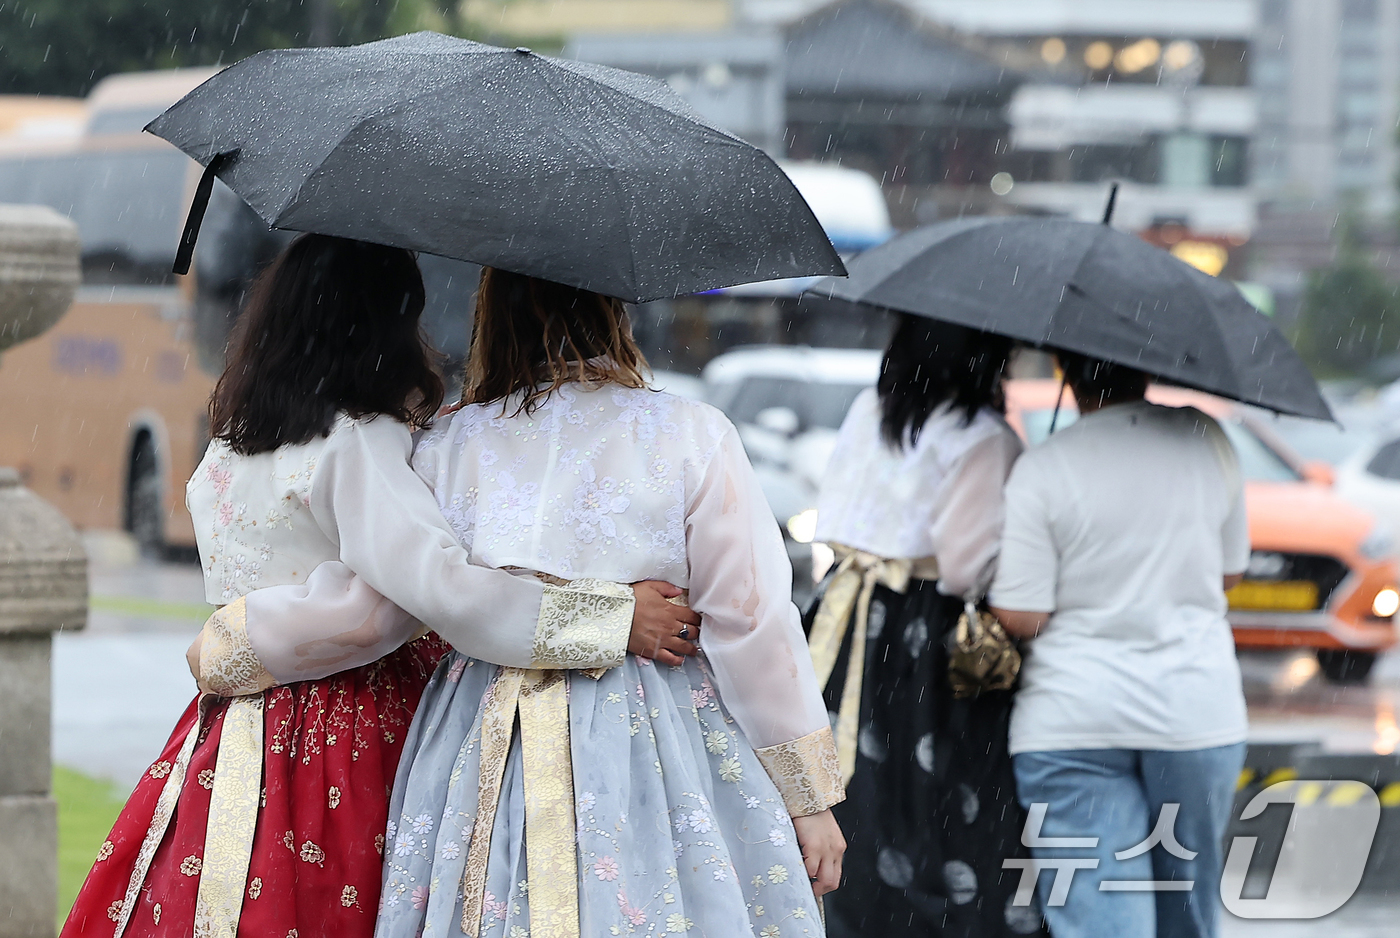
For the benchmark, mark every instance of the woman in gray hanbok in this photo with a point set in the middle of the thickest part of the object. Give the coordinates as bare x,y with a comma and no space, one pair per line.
606,793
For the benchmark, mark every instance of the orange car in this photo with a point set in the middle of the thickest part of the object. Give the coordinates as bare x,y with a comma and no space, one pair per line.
1322,575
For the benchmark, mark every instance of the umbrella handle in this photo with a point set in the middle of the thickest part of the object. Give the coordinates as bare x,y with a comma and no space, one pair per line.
1112,203
185,253
1064,380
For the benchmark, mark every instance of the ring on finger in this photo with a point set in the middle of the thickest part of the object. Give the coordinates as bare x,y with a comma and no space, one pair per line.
684,634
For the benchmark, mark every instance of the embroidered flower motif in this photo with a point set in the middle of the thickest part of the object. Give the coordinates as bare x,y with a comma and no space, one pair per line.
160,770
699,698
155,913
777,837
490,906
633,915
731,770
379,844
419,897
349,896
191,865
423,824
333,797
676,922
255,887
778,873
682,823
751,802
770,931
289,842
799,913
594,503
700,823
720,873
310,853
451,850
392,829
403,844
225,516
586,801
114,911
292,933
717,742
206,779
104,851
606,869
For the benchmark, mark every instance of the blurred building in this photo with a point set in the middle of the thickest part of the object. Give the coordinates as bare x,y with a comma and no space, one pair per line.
1155,93
565,18
1327,75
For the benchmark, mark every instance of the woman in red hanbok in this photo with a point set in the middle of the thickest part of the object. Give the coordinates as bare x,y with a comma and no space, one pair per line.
265,814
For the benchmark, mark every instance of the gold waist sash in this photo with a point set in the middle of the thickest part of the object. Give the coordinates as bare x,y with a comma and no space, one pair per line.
540,699
857,574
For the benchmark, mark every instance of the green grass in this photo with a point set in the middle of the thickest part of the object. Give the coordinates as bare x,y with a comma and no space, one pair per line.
151,608
87,809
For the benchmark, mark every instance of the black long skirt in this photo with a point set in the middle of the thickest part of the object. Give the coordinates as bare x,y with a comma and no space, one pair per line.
931,811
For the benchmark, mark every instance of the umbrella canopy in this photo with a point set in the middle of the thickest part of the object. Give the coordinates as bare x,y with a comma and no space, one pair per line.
1089,289
577,173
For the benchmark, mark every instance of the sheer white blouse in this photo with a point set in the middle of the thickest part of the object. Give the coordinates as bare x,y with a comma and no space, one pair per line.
617,484
940,498
351,501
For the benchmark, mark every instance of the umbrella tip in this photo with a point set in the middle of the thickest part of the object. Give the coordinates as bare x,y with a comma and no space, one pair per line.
523,50
1112,202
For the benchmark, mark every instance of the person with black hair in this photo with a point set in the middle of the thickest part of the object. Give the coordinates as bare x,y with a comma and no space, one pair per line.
265,815
1123,532
911,503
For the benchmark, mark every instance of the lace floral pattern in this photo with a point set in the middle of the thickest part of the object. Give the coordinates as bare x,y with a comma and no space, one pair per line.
228,666
584,624
806,771
593,483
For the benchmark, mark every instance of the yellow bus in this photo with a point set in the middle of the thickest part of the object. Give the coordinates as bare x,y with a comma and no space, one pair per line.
105,415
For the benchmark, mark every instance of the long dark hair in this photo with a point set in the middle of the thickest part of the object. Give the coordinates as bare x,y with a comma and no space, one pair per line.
930,362
331,325
534,335
1092,379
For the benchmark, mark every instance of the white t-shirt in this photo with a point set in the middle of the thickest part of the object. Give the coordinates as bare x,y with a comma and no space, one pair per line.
1123,526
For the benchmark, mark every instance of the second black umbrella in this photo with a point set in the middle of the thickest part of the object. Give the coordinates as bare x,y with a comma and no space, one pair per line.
1089,289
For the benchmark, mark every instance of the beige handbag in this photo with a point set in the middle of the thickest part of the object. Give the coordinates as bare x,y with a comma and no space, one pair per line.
981,656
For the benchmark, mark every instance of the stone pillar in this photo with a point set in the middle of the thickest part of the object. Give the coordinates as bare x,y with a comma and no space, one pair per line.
43,588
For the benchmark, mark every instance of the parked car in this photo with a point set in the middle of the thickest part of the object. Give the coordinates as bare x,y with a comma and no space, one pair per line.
1322,573
788,403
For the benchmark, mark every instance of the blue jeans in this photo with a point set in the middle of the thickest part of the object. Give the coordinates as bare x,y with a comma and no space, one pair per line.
1117,796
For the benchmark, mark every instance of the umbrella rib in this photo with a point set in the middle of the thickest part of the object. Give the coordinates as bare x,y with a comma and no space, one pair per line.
611,168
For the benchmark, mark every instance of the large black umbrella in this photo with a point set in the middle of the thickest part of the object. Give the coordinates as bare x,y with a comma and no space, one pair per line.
1089,289
586,175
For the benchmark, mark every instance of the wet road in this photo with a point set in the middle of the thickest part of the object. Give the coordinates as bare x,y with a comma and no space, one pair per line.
120,685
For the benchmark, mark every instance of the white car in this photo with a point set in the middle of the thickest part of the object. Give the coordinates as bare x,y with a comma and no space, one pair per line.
788,403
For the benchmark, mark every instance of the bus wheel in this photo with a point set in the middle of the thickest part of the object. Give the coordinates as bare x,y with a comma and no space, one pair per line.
1345,667
143,498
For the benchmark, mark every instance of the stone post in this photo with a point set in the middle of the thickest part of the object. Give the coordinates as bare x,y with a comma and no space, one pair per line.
43,588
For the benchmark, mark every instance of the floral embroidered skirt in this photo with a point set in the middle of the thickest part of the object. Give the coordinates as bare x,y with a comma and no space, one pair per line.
330,751
679,830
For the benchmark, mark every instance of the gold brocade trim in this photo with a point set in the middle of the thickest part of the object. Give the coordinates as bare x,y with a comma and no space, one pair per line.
160,820
228,666
233,817
551,851
857,575
583,624
541,697
806,771
497,730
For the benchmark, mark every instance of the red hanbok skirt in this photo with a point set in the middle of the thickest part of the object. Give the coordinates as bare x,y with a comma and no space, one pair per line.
330,751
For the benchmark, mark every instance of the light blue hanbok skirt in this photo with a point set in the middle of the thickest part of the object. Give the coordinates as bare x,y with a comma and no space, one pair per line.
680,831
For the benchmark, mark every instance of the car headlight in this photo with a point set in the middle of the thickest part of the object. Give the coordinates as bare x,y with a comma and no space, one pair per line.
1386,603
803,526
1378,543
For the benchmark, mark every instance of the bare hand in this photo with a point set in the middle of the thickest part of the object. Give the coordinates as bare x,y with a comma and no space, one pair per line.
657,624
822,848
